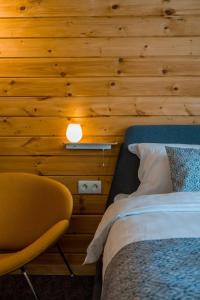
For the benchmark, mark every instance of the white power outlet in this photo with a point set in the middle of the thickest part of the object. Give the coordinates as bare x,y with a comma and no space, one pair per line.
89,187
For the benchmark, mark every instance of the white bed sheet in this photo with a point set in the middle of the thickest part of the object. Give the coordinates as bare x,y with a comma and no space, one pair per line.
148,217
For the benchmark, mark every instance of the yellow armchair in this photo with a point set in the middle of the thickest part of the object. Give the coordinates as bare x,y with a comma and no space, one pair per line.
34,212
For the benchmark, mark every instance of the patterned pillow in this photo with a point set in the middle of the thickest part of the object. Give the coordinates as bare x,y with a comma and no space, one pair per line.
185,169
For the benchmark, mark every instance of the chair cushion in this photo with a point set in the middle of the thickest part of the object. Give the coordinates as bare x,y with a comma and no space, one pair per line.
10,262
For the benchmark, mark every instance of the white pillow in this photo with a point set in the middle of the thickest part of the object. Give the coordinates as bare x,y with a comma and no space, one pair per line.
154,169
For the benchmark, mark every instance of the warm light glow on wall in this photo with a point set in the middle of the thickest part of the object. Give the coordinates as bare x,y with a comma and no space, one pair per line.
74,133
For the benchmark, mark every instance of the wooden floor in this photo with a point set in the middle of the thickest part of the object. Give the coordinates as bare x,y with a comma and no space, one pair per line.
47,288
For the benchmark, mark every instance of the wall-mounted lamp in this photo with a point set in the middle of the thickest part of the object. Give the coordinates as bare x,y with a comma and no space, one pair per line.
74,134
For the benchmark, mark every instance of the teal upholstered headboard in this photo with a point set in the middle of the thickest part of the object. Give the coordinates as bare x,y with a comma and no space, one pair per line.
125,179
172,134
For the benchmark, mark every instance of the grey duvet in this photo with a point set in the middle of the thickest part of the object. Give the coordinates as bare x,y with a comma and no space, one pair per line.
159,269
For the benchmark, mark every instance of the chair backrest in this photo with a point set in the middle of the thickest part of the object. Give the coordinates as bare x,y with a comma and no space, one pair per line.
29,206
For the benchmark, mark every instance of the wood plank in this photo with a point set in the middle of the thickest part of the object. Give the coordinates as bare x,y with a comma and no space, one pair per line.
84,224
26,8
174,106
92,47
52,264
102,126
94,67
157,66
48,258
58,67
72,182
90,107
55,269
52,146
59,165
99,27
106,86
80,270
73,243
89,204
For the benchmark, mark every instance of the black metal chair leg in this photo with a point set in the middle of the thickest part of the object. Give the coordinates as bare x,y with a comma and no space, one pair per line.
65,260
29,282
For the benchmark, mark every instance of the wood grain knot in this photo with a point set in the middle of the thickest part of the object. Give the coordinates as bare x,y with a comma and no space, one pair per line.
22,7
175,88
112,83
62,74
170,11
164,71
120,60
115,6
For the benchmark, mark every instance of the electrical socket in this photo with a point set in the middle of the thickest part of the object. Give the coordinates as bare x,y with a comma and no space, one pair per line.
89,186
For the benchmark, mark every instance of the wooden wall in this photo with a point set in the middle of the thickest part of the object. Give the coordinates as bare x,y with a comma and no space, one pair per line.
103,63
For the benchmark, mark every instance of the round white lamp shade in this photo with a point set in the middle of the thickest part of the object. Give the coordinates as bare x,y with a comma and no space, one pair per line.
74,133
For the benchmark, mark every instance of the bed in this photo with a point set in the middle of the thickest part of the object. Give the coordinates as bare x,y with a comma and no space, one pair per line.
126,181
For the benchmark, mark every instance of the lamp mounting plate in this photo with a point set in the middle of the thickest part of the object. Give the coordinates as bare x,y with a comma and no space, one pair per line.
89,146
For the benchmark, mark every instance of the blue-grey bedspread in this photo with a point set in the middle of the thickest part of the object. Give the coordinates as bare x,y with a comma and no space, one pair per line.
167,269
